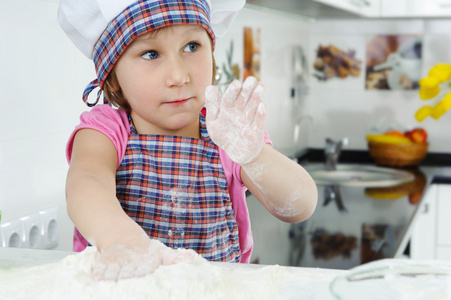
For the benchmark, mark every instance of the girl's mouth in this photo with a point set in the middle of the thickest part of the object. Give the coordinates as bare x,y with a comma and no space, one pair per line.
178,102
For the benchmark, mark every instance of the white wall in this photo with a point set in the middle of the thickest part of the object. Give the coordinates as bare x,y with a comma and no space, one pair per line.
343,108
338,108
41,83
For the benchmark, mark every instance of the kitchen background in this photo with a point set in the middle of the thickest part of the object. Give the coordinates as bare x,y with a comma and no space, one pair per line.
42,76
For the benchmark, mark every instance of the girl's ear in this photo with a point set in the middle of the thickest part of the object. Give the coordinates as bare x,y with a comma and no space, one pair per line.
113,92
112,84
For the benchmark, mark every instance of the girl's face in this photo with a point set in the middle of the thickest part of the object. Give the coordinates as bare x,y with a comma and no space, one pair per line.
163,76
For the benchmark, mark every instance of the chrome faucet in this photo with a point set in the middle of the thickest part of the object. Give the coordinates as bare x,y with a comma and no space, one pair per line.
332,152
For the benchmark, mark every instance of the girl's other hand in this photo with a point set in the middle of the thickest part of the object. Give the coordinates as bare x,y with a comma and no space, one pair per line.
121,262
236,121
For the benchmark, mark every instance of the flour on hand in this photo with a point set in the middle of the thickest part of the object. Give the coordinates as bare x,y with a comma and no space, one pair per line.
236,121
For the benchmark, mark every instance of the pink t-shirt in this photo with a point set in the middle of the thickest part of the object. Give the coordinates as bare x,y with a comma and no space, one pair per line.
114,124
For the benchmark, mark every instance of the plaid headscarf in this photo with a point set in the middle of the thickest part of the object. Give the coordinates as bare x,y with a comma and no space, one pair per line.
137,19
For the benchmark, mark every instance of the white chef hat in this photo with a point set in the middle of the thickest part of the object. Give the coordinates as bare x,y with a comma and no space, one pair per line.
102,29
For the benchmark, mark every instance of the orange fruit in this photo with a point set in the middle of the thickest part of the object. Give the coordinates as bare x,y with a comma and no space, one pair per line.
394,133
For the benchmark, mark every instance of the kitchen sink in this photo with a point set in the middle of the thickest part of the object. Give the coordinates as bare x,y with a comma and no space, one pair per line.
356,175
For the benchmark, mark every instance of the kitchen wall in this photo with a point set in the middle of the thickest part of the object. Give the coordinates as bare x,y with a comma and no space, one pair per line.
343,108
337,108
42,76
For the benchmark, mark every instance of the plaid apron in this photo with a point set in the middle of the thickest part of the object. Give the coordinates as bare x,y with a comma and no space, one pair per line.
175,189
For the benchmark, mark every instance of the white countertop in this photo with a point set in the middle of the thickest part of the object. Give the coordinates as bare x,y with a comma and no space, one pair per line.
304,283
393,280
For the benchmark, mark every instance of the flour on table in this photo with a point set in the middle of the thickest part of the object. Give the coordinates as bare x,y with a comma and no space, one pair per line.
198,279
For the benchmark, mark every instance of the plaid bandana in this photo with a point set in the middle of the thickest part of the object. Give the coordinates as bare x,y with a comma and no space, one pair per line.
137,19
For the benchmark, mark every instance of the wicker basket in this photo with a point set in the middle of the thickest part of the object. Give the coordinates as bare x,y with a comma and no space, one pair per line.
397,155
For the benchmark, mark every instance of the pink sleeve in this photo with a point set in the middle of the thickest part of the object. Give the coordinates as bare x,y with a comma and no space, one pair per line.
109,121
237,191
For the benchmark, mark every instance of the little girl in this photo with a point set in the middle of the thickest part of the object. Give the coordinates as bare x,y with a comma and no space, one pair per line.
157,173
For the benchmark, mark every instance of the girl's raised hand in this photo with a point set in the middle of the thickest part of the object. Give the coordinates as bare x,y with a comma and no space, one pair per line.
236,121
121,262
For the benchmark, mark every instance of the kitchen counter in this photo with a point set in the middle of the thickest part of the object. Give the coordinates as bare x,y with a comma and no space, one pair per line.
363,225
303,283
368,224
71,279
24,257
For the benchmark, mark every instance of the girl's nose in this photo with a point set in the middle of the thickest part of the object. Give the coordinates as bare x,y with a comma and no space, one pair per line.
178,72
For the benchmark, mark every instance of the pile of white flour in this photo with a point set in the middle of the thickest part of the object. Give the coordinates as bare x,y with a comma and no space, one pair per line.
198,279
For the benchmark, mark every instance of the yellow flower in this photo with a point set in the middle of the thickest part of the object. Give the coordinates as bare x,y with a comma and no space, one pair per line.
423,113
429,82
438,110
426,94
447,101
442,72
431,87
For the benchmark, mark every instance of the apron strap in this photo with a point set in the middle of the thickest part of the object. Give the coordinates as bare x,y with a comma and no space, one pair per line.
91,86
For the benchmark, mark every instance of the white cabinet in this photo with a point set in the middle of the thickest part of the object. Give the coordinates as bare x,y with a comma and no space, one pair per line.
430,235
400,8
423,239
394,8
367,8
415,8
444,222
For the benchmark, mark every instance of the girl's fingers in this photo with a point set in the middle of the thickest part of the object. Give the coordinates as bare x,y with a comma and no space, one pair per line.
127,271
231,94
213,100
112,272
246,91
146,267
99,271
254,100
260,117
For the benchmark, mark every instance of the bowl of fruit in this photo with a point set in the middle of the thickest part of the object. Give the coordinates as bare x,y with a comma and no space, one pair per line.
395,148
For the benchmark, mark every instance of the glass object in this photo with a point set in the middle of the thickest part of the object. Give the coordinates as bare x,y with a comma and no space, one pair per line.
391,279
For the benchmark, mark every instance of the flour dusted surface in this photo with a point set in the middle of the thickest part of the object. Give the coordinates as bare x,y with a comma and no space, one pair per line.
198,279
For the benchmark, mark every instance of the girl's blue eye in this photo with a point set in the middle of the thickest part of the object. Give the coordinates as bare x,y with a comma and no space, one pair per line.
191,47
150,55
